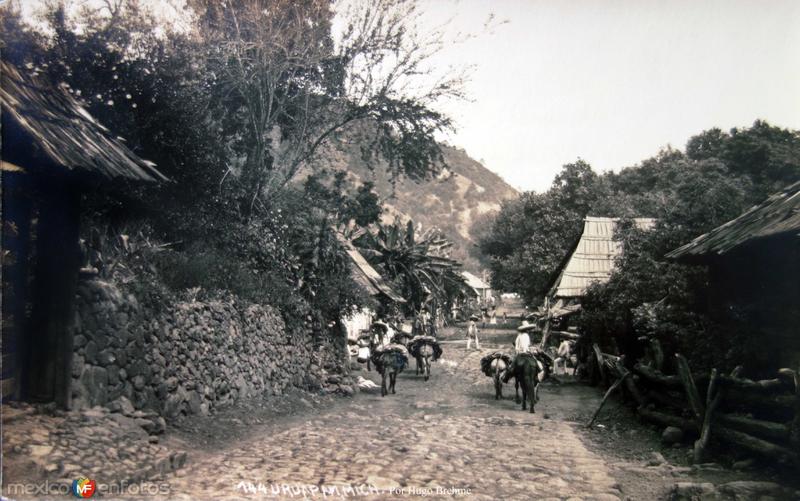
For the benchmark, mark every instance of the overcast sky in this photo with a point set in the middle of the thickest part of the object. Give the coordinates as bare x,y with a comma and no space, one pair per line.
613,82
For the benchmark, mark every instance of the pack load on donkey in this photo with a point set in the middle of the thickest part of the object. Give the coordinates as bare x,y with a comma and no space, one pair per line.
389,360
486,362
495,366
417,342
425,349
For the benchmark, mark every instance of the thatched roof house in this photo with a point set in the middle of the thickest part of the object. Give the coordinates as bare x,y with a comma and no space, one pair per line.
778,217
482,289
52,147
591,259
754,268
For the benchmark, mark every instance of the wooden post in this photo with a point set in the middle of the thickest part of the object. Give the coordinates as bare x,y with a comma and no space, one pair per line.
605,397
794,427
691,389
546,328
712,400
49,350
600,363
658,354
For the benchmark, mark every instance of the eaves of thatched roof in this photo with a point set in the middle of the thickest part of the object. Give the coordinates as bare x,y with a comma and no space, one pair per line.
778,215
50,121
365,275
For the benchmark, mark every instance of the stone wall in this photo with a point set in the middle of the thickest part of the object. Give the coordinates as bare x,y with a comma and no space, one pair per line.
193,357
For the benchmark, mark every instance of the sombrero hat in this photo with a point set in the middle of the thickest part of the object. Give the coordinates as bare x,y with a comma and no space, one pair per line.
380,325
528,328
474,318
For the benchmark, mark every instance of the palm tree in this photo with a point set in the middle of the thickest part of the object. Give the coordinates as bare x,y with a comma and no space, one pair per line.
419,265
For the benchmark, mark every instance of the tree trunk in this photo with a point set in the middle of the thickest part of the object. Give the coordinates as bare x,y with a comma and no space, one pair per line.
764,429
664,419
655,377
756,445
712,401
600,364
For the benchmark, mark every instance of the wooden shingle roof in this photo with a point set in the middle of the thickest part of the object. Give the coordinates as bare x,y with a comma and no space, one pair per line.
593,258
58,126
777,215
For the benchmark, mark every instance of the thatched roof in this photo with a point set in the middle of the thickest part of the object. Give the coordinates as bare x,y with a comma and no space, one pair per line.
365,275
52,122
592,259
777,215
475,282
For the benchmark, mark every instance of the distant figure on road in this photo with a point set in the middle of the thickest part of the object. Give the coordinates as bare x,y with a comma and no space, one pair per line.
472,332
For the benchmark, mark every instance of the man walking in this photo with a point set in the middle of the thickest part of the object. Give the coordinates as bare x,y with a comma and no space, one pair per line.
472,332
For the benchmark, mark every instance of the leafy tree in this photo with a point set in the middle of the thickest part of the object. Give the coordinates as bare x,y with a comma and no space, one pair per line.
289,86
331,193
229,107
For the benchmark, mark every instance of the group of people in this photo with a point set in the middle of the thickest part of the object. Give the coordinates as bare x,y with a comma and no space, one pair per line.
522,343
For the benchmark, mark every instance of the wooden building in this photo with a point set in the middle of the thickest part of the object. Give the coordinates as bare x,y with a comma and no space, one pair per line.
754,265
482,290
590,260
53,150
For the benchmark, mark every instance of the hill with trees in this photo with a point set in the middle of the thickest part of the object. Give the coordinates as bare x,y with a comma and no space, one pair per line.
451,200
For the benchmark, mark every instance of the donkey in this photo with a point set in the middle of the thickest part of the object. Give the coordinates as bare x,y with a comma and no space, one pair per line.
425,349
423,355
498,368
495,366
525,370
389,363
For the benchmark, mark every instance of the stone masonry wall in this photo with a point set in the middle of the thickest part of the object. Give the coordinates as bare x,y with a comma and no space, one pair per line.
192,357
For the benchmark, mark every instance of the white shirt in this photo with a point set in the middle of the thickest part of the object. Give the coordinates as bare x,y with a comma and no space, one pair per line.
523,343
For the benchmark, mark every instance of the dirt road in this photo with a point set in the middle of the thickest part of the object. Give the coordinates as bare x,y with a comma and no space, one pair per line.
446,437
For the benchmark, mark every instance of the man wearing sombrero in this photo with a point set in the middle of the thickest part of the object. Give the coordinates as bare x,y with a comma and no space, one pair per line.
522,344
472,332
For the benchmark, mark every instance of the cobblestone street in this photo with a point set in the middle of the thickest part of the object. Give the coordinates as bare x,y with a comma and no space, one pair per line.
448,434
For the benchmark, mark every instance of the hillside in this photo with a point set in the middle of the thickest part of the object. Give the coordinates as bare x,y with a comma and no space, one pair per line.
451,201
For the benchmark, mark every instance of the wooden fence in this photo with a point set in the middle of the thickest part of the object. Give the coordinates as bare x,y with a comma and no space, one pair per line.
761,417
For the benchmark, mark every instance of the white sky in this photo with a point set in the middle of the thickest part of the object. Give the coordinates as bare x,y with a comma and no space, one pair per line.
610,81
613,82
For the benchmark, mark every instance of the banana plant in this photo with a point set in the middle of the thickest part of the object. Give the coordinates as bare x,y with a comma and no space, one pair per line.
418,264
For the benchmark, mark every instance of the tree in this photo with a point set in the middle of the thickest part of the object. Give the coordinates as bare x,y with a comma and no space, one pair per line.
290,84
230,106
718,178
